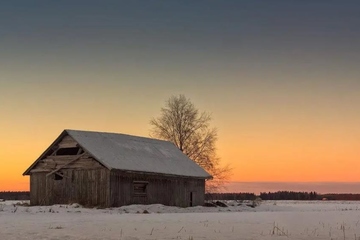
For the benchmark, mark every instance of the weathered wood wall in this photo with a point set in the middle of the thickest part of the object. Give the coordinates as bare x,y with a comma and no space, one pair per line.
171,191
37,188
79,179
87,187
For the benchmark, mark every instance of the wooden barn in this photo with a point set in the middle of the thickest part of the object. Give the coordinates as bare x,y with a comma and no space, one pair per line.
111,170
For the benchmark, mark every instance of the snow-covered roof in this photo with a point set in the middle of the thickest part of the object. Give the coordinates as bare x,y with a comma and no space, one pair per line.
140,154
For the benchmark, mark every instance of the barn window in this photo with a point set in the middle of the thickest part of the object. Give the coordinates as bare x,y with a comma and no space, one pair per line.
58,176
68,151
140,187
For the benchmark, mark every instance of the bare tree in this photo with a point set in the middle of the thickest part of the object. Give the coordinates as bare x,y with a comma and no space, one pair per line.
181,123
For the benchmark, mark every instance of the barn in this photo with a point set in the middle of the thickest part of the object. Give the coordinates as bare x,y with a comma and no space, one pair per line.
111,170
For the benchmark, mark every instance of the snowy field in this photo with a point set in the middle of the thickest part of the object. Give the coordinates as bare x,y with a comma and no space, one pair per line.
271,220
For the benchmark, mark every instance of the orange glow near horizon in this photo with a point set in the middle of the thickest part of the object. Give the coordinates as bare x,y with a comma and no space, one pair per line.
281,80
255,158
264,142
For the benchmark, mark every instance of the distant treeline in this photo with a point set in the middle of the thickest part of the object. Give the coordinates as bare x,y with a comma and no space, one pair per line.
346,196
288,195
282,195
24,195
230,196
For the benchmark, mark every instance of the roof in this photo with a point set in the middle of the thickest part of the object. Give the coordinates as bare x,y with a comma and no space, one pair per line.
132,153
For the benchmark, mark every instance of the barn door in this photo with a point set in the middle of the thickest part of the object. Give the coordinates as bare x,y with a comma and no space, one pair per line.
191,199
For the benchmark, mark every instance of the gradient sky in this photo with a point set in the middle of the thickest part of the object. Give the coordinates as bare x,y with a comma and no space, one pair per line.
281,79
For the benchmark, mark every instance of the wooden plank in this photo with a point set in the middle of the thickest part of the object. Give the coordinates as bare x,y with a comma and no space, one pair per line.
75,167
67,138
59,168
39,170
68,145
82,163
63,161
68,157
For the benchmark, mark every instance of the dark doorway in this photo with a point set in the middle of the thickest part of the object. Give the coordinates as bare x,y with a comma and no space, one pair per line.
191,199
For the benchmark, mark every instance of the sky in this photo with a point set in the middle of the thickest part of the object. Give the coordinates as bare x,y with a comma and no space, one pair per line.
281,79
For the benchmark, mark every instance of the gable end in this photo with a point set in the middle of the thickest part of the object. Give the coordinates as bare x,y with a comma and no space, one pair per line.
63,153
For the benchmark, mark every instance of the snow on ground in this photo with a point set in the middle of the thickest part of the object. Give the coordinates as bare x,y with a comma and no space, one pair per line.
271,220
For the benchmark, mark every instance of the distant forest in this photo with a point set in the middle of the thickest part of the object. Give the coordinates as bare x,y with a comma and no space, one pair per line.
15,195
280,195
